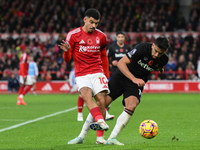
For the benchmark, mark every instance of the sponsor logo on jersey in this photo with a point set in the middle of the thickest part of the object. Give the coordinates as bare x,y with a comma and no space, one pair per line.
145,66
119,55
47,87
89,48
97,40
65,87
81,42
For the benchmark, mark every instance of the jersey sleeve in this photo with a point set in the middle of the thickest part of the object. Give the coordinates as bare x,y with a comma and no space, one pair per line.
136,53
110,51
103,42
105,63
68,55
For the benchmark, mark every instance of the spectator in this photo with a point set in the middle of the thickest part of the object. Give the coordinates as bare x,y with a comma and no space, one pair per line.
181,62
189,70
13,83
171,64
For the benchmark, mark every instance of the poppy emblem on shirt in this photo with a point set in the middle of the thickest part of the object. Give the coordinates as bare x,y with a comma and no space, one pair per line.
97,40
121,50
89,41
150,62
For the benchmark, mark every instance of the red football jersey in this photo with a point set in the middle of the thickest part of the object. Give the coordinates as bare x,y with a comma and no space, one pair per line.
23,66
86,48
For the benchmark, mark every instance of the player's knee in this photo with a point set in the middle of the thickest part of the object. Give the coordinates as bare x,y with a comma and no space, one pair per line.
131,107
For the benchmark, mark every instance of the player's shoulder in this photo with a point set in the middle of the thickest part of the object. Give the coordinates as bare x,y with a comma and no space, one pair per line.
113,44
145,46
165,57
126,46
73,32
100,32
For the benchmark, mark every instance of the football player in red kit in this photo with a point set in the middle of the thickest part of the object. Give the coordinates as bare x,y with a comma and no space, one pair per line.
23,73
88,47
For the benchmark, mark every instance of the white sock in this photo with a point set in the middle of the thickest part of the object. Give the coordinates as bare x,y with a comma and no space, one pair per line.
122,121
21,95
80,114
86,126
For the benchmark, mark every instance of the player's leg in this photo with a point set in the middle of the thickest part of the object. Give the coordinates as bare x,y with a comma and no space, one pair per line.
26,90
80,103
86,128
86,94
33,89
29,83
109,116
100,90
84,131
20,100
131,103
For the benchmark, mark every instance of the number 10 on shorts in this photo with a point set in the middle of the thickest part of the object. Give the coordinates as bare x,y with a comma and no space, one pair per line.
103,80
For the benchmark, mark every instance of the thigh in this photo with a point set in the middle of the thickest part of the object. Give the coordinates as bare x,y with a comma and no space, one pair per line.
83,81
29,80
116,86
99,83
132,90
21,80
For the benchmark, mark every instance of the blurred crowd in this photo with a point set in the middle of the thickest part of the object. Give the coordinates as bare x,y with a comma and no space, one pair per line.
49,16
61,16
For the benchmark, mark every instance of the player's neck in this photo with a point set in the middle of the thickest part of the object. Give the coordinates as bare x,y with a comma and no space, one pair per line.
85,29
120,44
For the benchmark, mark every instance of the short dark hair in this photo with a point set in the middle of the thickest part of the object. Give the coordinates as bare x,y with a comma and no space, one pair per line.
119,32
162,42
94,13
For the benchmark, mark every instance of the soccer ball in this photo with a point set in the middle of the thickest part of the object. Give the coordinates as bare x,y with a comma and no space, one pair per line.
148,129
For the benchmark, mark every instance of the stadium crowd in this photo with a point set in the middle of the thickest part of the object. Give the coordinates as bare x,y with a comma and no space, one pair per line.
53,16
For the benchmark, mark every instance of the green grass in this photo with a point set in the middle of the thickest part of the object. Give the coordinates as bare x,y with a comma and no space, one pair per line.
176,115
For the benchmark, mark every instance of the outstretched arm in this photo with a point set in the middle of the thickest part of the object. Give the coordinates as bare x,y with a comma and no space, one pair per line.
122,65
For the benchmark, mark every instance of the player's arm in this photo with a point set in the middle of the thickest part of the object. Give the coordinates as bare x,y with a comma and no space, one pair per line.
105,63
66,47
122,65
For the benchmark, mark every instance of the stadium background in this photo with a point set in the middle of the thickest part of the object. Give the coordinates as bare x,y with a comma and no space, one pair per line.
41,25
48,122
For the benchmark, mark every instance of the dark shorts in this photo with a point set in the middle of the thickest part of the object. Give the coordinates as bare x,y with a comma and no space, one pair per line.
119,85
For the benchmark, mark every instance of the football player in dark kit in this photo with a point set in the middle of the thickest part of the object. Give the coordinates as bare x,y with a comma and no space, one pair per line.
117,50
129,80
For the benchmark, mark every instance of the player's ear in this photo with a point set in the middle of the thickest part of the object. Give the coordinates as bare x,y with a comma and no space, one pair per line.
84,19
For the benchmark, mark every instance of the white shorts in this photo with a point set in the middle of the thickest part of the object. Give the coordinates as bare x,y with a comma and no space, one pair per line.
97,82
29,80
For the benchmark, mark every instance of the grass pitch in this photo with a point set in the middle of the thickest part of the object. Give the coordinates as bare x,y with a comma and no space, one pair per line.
48,122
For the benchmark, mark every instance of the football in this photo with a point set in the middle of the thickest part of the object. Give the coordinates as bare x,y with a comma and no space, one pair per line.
148,129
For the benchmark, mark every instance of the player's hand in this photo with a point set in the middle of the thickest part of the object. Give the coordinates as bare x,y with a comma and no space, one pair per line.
114,62
64,46
139,82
